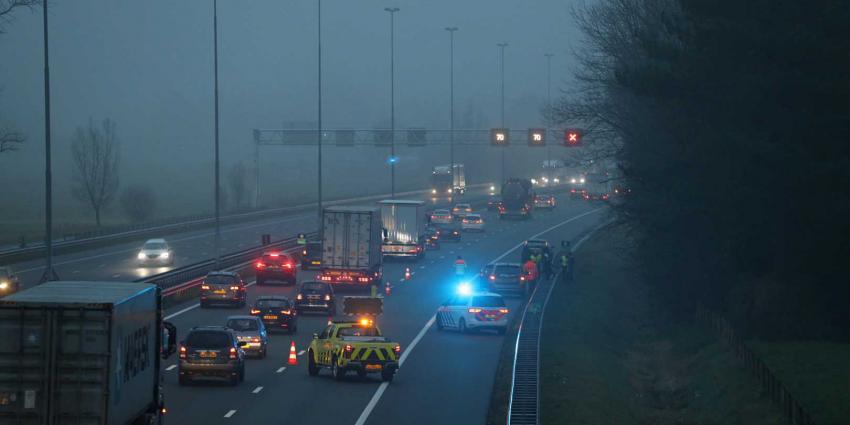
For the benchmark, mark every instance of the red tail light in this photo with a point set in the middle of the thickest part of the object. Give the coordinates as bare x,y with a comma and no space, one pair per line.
522,278
299,297
397,349
205,287
327,297
232,353
274,254
287,265
182,352
234,288
475,310
287,312
260,265
255,311
348,348
503,310
255,339
492,277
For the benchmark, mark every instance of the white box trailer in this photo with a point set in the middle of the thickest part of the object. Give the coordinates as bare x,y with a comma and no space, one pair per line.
403,228
351,245
83,353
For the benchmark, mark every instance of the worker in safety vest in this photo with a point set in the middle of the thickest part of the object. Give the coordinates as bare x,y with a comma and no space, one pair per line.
565,261
460,267
302,239
530,269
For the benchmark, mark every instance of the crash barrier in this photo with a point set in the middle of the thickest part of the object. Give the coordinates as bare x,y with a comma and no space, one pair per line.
112,234
775,389
182,279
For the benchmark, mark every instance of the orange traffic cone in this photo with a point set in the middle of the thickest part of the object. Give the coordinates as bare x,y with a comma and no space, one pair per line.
293,357
407,273
387,288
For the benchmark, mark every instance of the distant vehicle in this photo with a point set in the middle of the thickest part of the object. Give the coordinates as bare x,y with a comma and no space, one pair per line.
494,204
535,246
432,237
275,266
351,247
276,312
403,228
576,184
504,278
461,210
553,172
223,287
450,233
315,296
78,336
9,282
598,187
442,185
492,190
251,331
311,255
546,202
517,199
353,345
472,223
472,312
211,352
441,217
155,252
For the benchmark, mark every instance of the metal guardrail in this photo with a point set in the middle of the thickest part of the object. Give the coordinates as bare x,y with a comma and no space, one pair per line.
186,277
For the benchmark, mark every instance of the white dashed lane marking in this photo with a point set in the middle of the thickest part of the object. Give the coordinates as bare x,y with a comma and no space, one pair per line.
229,413
280,369
257,390
171,367
301,353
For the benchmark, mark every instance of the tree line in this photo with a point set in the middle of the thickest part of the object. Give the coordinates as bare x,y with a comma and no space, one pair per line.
729,121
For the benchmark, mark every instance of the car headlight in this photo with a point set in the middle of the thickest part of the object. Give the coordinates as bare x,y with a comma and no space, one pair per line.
449,191
434,191
164,255
4,285
141,256
557,180
582,180
572,180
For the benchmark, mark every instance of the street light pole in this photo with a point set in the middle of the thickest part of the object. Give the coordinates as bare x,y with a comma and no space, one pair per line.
392,11
548,111
502,66
217,165
319,136
49,273
451,31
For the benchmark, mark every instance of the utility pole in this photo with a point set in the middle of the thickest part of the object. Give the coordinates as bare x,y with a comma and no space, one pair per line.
392,11
451,31
319,135
502,66
548,111
49,273
217,165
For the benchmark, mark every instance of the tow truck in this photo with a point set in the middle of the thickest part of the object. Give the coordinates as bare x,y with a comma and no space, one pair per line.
354,343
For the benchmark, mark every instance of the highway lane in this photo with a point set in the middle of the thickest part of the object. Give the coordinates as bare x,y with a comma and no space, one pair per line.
118,262
446,376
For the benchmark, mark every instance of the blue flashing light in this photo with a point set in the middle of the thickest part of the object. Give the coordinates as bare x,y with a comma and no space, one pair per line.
464,289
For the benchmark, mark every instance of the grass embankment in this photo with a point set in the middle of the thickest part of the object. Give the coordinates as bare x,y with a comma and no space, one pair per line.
608,357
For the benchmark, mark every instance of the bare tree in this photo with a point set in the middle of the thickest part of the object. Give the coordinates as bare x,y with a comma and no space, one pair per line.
7,6
138,202
238,180
95,154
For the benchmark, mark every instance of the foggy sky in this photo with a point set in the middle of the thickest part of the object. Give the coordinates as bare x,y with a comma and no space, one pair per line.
148,66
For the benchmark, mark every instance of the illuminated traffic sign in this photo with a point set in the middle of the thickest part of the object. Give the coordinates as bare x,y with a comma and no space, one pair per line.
536,137
572,137
500,137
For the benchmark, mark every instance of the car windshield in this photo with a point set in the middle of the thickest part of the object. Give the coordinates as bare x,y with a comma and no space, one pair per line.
508,269
272,303
488,301
153,246
208,339
243,325
358,331
441,212
473,217
220,279
313,287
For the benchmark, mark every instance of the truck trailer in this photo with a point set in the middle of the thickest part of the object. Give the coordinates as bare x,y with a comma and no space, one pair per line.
517,199
351,246
403,228
445,184
83,353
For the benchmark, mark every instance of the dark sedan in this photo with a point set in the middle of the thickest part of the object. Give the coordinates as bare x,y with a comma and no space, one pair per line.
277,313
314,296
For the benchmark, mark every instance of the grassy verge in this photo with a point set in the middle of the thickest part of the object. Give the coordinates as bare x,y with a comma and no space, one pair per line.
816,373
609,357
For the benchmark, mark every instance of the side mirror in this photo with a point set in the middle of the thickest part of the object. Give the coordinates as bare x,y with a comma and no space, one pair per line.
169,340
242,343
315,335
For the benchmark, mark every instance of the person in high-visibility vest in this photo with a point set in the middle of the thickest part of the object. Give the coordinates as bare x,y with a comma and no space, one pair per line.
530,269
301,240
460,267
565,261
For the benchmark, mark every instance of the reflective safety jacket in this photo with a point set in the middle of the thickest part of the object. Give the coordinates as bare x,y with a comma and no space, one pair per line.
530,269
460,267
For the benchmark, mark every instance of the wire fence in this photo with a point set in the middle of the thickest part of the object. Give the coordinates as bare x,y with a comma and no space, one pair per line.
793,411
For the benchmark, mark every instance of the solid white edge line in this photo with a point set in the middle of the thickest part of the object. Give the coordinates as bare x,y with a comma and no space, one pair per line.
364,416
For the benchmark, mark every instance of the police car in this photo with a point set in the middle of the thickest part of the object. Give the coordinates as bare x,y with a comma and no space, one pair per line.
468,311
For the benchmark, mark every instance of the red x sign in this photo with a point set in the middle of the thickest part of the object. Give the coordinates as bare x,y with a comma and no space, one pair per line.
572,137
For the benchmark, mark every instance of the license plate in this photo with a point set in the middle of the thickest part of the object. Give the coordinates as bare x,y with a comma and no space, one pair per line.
374,367
270,317
315,263
490,316
219,292
208,354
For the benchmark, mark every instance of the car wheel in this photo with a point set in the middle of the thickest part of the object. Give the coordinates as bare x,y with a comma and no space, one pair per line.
461,325
264,352
234,379
242,373
387,376
312,368
336,371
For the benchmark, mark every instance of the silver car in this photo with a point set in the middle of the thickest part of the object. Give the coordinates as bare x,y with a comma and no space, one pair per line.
155,252
250,329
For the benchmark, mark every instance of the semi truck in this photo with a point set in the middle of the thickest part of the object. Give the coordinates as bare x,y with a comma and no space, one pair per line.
597,187
351,246
83,353
403,228
517,199
442,184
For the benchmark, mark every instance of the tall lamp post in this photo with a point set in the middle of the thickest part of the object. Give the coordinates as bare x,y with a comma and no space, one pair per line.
49,273
548,111
319,135
502,66
451,31
217,246
392,11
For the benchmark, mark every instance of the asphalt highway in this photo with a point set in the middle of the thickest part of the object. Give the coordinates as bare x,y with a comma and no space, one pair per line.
445,377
